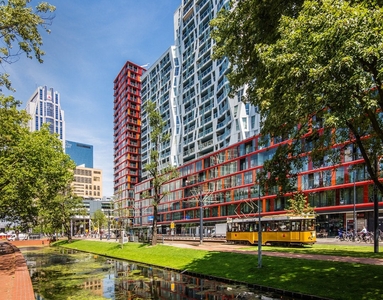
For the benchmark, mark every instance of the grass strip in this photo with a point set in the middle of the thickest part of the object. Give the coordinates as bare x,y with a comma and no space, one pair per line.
328,279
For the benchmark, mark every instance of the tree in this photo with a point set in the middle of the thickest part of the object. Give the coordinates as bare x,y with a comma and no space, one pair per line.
238,28
318,83
19,32
298,205
35,173
159,174
56,215
33,170
99,218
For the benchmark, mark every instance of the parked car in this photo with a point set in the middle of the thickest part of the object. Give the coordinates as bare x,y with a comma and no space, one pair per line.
22,236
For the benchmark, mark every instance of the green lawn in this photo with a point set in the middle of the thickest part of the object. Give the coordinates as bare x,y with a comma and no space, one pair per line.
328,279
359,250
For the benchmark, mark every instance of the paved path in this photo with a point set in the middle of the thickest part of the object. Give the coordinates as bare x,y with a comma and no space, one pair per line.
241,249
15,281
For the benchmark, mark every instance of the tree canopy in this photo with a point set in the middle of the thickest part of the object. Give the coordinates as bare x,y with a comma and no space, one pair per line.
35,173
19,31
159,174
298,205
317,80
99,219
33,170
56,214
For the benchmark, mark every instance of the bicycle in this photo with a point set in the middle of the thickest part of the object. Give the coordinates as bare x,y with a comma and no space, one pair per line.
366,237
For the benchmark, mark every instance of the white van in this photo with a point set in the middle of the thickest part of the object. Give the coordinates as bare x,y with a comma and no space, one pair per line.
22,236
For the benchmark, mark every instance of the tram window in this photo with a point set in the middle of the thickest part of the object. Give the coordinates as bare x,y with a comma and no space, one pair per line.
295,225
283,226
308,225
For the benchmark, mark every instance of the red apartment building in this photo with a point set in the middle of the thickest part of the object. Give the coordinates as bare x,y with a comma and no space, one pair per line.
127,129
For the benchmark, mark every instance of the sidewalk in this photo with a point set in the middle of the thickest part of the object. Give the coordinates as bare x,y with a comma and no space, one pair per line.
15,281
223,247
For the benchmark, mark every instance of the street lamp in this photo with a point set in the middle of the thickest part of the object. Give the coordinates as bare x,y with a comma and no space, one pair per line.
200,216
259,229
354,235
201,207
109,223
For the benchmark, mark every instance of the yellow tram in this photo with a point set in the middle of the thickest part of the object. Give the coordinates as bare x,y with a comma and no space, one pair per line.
276,230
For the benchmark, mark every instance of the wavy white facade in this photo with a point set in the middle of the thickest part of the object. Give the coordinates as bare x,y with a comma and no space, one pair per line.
191,91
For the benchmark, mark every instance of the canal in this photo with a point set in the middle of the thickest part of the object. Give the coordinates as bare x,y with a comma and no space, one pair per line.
59,273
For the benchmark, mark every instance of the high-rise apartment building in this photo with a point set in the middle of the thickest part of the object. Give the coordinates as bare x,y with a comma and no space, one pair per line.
127,129
192,92
160,85
216,145
44,106
80,153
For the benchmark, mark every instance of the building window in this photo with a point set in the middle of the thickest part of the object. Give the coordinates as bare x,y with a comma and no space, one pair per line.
244,123
235,111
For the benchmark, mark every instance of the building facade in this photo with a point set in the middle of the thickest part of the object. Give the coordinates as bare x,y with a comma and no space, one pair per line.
214,144
159,85
87,182
127,136
223,182
80,153
44,106
211,120
192,92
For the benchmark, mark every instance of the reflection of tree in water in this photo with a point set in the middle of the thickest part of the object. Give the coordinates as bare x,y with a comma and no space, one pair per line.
66,276
80,276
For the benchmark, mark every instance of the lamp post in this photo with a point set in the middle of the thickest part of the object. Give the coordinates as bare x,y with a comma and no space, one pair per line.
259,230
355,229
200,216
109,223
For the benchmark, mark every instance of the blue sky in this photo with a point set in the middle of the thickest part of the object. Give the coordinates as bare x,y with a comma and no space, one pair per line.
90,41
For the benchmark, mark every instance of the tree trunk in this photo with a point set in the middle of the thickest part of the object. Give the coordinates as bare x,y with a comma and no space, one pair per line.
154,229
67,230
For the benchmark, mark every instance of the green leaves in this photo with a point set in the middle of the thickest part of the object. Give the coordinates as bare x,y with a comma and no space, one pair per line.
298,205
322,59
19,30
33,166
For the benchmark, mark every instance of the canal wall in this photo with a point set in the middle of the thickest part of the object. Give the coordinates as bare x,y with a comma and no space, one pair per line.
30,243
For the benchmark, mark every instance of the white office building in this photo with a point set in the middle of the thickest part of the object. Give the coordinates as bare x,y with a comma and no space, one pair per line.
44,107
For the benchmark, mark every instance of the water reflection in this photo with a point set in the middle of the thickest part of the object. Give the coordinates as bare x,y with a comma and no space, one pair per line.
67,274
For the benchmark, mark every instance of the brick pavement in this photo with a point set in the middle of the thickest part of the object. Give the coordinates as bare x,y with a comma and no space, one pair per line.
15,281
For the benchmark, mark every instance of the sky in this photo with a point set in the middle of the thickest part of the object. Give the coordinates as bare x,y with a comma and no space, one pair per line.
89,43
